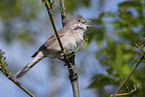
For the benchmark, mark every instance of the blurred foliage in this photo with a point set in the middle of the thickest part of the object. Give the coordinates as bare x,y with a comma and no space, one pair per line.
71,5
117,50
15,15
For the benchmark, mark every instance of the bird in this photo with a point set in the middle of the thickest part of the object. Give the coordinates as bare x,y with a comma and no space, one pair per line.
71,36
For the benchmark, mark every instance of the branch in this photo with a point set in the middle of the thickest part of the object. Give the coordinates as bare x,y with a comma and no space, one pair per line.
63,12
129,75
3,69
135,87
73,76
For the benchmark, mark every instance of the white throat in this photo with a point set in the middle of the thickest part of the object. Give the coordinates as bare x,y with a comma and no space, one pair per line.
80,26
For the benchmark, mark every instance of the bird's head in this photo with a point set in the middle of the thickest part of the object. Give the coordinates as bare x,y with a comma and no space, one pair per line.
77,21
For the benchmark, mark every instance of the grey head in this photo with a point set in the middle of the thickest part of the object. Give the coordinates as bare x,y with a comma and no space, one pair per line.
76,20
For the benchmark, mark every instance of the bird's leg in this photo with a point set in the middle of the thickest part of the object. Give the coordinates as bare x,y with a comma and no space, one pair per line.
72,58
66,59
63,53
70,65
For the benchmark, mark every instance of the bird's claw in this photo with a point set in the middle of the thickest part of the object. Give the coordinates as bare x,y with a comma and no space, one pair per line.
63,52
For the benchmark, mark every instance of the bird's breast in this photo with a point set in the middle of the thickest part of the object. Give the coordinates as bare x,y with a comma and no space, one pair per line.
71,40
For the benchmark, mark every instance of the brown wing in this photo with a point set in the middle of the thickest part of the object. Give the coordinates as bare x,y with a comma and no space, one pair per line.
48,42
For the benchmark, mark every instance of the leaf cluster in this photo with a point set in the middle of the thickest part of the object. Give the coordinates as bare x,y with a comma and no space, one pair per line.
16,18
3,64
116,47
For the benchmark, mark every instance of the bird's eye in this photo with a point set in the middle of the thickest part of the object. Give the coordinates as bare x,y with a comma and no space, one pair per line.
79,20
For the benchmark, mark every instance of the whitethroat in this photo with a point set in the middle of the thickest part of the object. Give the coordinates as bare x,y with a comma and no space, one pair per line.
71,36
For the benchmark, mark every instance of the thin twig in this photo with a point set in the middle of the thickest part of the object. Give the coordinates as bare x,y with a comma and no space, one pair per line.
20,85
17,83
63,12
3,70
129,75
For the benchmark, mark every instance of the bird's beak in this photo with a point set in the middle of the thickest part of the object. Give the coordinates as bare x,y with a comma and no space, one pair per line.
85,21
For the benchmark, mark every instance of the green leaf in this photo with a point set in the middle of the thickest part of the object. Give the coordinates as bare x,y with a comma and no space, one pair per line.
110,70
105,61
130,4
125,69
43,1
101,81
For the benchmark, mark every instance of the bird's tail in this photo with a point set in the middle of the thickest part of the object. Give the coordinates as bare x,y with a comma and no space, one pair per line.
26,68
